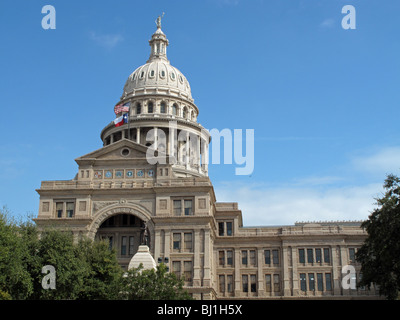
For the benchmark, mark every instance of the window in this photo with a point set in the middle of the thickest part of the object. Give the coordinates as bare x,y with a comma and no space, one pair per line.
229,228
150,107
328,281
253,283
174,109
123,245
229,257
221,256
303,283
302,258
138,108
177,207
184,112
142,74
187,269
131,246
163,73
277,286
176,268
267,256
352,255
188,207
245,283
221,283
59,209
311,282
253,257
163,108
318,257
187,238
275,257
177,241
221,228
320,284
327,256
152,73
268,287
310,256
229,283
244,257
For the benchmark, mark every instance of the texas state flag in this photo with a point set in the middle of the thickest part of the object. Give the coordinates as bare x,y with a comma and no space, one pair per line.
121,120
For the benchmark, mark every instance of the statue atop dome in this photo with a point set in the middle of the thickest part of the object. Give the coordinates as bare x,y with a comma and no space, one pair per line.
158,21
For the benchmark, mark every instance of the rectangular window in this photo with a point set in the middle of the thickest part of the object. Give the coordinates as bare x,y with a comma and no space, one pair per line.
327,256
123,245
302,258
188,208
267,256
320,283
229,257
268,287
229,283
318,255
221,229
229,228
59,209
110,242
221,258
187,238
311,282
245,283
253,257
176,241
222,283
70,209
187,265
277,286
328,281
310,257
303,283
131,246
275,257
244,257
177,207
352,254
176,268
253,283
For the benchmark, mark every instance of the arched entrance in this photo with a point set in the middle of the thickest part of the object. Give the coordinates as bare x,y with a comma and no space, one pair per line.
123,227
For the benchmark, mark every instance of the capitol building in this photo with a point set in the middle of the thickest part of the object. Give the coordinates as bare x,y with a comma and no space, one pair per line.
151,174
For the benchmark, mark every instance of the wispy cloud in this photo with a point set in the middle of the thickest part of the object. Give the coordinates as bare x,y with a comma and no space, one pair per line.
327,23
108,41
378,162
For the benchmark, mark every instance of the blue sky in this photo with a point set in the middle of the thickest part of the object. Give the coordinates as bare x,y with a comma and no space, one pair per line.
323,101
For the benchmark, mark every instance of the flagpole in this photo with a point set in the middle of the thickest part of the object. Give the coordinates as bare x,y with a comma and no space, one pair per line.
129,123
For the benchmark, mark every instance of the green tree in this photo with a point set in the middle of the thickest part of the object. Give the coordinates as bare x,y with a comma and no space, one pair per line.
159,284
15,280
380,254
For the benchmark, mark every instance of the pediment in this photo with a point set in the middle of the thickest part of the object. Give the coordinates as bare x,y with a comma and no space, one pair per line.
120,150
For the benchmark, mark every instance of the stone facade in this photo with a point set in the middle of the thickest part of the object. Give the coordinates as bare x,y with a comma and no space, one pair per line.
118,190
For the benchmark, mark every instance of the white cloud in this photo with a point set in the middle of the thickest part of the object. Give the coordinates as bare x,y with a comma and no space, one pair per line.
108,41
327,23
285,206
381,162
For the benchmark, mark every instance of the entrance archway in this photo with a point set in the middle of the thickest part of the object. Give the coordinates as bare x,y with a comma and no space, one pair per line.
123,228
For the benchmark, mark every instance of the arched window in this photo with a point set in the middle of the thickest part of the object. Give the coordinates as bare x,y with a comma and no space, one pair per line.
184,112
174,109
163,108
150,107
138,108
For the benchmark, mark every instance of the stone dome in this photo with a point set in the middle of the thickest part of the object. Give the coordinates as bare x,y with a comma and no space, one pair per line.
158,75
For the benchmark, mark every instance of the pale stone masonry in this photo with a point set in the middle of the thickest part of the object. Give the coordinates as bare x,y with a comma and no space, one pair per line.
118,189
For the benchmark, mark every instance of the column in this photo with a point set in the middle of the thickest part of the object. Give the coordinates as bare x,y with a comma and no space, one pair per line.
285,268
111,138
335,274
207,259
260,276
157,245
187,147
137,135
237,273
198,152
295,278
196,259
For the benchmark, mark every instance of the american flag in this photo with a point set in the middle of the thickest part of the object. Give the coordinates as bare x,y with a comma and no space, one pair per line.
121,108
